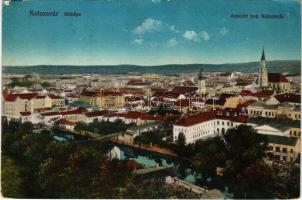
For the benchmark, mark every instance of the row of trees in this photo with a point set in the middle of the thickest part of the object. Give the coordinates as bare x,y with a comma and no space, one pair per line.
36,166
151,137
26,83
103,127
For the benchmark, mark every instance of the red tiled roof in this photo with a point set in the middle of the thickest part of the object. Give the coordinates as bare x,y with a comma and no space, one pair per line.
65,122
74,112
53,96
246,93
277,78
13,97
96,113
210,115
40,97
196,119
50,113
25,113
114,114
288,97
264,93
184,90
133,115
10,97
88,93
27,96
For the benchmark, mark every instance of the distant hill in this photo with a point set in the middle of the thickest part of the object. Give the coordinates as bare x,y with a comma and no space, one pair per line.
281,66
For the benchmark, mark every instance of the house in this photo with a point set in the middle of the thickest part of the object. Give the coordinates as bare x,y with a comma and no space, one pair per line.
94,115
284,110
25,116
56,100
14,103
104,99
129,135
285,149
271,126
140,117
262,109
65,124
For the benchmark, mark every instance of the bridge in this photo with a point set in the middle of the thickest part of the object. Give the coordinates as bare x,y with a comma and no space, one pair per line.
91,135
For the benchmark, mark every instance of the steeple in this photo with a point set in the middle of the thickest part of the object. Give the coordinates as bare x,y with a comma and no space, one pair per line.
263,75
200,74
201,83
263,55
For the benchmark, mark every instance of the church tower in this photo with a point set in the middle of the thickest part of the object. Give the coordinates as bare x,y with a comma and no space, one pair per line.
201,83
262,77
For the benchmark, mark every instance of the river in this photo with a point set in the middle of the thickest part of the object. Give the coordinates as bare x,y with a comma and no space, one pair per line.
149,159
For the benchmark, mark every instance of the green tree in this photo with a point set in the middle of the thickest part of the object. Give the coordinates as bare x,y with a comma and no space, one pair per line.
12,178
46,84
244,146
181,140
256,180
210,156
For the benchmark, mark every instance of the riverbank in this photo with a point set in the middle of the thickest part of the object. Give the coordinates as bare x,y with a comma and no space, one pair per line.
153,148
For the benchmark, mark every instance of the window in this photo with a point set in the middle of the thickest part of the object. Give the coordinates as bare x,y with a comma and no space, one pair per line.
277,157
284,158
217,122
270,148
277,149
291,150
284,150
222,123
228,123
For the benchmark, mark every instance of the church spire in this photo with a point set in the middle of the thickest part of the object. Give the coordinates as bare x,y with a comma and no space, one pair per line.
200,74
263,55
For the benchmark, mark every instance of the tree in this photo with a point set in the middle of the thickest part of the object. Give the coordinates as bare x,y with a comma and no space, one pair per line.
209,157
293,186
181,140
244,146
12,178
46,84
256,180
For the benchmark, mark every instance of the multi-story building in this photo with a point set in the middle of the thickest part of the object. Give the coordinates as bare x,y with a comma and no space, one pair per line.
261,109
286,149
206,124
14,104
104,99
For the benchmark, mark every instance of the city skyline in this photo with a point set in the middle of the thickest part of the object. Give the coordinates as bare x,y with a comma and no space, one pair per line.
161,32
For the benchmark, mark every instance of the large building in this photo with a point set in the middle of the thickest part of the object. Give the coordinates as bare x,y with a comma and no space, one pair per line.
105,99
13,104
275,81
206,124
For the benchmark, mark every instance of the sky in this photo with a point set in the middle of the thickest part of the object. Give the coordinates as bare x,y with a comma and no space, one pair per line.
149,32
